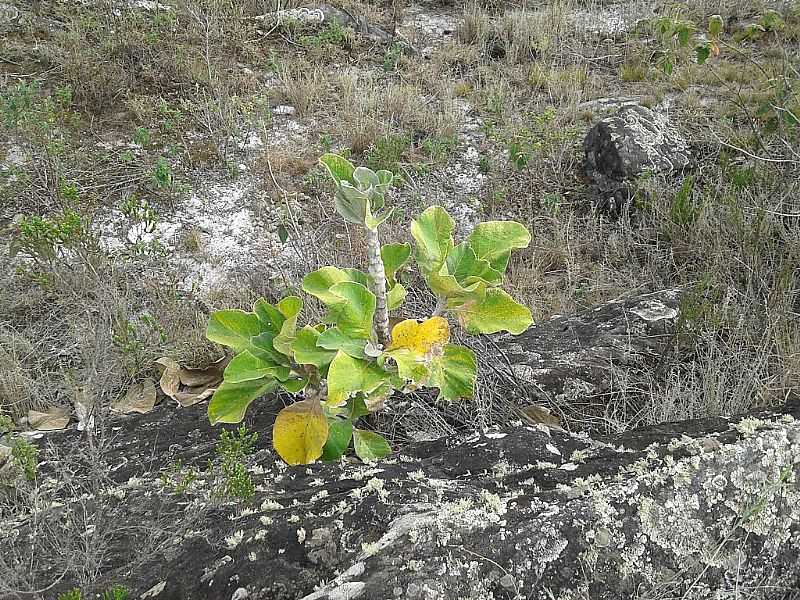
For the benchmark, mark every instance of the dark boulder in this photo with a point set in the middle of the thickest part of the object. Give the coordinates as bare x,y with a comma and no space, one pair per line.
632,141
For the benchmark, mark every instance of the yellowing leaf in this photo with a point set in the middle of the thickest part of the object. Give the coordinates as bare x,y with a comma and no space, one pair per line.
422,338
496,312
300,432
454,373
410,365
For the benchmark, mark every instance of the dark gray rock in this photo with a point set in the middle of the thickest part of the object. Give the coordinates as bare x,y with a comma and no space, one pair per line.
632,141
702,508
588,355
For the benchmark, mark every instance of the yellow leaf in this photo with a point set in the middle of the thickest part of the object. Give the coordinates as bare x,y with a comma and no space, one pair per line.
300,432
422,338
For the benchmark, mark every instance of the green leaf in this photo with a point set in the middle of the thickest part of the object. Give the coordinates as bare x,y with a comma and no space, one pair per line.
446,286
372,221
290,308
454,373
365,178
247,367
356,407
715,25
703,51
348,376
396,296
496,312
354,310
269,317
306,351
358,276
385,181
283,233
233,328
352,204
493,241
263,347
683,35
338,167
463,264
340,432
294,385
230,401
433,232
369,445
333,339
394,256
318,283
300,432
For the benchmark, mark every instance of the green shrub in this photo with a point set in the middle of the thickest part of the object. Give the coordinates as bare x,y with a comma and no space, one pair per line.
232,449
25,456
387,152
350,364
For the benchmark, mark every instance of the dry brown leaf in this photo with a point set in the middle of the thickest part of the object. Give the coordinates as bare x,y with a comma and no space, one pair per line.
141,398
535,414
189,398
53,419
170,381
190,386
208,377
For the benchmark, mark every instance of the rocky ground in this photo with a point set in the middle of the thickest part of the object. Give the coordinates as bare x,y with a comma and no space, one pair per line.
159,161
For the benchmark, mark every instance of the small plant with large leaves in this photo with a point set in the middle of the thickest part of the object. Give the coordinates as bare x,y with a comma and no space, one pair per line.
349,365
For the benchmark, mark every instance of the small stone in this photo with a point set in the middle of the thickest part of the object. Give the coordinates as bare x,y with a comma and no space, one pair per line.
155,590
240,594
507,581
602,537
284,110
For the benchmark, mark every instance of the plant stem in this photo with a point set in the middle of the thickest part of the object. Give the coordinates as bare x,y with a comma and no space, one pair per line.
378,275
441,304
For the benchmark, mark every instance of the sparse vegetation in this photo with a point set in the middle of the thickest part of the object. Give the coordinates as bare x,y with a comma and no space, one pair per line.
232,450
158,163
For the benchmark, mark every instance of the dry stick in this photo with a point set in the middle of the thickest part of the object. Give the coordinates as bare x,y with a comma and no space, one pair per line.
378,275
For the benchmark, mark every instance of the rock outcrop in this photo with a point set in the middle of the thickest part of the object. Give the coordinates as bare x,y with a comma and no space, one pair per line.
702,508
589,354
325,14
626,144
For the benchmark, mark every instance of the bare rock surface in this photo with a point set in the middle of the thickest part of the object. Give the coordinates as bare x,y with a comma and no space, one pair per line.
692,509
587,355
325,14
628,143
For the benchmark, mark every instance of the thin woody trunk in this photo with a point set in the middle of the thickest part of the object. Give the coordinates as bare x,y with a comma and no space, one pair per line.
378,275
